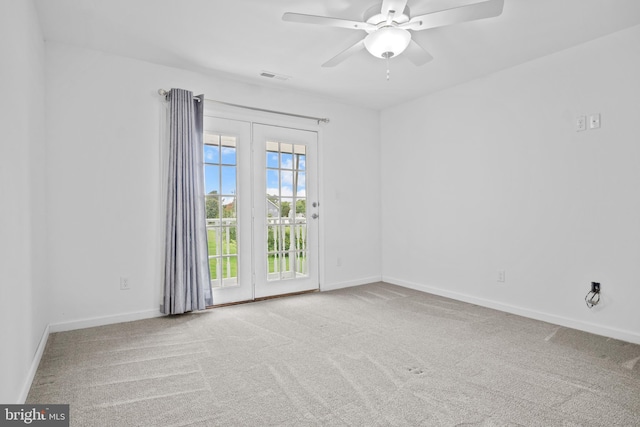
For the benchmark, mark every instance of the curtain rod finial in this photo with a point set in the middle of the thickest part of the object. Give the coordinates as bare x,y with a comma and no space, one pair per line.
162,92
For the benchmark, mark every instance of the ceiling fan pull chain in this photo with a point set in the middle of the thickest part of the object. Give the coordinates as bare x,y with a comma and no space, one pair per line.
387,68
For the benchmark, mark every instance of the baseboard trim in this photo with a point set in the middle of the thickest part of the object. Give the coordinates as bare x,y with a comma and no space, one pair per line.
34,366
615,333
104,320
350,283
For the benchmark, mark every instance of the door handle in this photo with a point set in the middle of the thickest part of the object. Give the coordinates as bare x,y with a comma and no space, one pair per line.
314,216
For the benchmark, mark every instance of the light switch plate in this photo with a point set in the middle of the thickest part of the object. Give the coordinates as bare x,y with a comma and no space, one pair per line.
594,121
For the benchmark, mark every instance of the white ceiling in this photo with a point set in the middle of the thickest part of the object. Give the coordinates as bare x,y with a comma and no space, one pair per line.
241,38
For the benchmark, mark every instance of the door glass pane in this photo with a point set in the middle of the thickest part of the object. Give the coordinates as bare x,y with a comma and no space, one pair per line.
286,211
213,237
229,209
211,154
286,183
220,178
212,208
229,270
301,248
273,183
229,245
211,179
228,148
273,155
228,180
214,269
301,158
286,160
301,183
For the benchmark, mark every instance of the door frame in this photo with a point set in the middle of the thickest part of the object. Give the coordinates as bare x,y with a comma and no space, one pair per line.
220,111
263,286
244,203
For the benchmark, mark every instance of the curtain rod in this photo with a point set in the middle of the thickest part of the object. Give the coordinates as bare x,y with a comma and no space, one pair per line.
163,92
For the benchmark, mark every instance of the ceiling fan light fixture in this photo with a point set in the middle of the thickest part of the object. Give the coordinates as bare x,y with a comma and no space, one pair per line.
387,42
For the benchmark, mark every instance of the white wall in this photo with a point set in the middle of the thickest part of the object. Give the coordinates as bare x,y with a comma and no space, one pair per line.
103,121
492,175
23,280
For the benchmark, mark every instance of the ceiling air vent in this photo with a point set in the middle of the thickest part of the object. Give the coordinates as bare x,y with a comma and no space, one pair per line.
272,75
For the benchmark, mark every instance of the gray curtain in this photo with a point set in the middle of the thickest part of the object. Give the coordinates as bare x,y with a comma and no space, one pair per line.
187,286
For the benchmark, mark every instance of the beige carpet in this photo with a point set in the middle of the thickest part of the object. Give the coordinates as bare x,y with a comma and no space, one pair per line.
373,355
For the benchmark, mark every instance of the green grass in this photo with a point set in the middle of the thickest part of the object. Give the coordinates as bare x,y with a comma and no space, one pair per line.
229,252
229,269
287,262
230,248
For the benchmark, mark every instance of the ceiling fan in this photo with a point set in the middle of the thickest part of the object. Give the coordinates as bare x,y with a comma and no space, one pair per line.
388,27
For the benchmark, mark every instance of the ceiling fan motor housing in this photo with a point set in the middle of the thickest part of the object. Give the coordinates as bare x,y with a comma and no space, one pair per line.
374,16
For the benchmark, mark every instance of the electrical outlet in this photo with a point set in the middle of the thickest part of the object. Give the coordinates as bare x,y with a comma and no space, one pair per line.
124,284
502,276
581,123
339,262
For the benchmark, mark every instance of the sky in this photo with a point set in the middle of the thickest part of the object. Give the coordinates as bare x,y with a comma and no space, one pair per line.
222,177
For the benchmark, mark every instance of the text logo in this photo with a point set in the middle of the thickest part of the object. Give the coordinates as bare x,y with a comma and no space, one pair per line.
34,415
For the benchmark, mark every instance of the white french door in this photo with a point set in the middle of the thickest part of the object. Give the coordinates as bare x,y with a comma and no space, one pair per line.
285,247
227,172
261,209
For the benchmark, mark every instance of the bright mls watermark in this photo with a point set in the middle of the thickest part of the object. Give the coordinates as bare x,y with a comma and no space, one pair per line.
34,415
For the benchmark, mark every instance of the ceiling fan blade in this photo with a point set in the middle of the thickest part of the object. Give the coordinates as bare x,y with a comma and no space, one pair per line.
481,10
417,54
344,54
389,5
325,20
